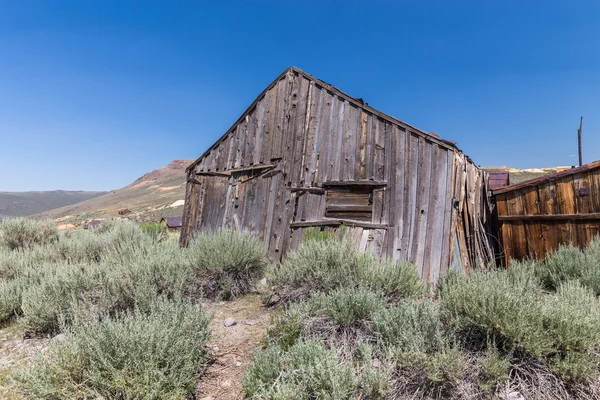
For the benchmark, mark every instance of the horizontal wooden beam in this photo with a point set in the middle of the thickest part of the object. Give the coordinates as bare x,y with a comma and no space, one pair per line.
354,183
309,190
350,208
556,217
338,222
228,172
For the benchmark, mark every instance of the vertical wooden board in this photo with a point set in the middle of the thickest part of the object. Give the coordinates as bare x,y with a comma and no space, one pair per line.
337,139
422,205
379,155
280,225
376,242
399,253
429,216
355,233
583,205
315,207
325,134
370,146
362,246
533,229
361,149
263,192
378,206
351,129
250,135
390,214
448,200
313,137
504,228
281,113
436,234
269,121
186,218
260,127
273,183
299,207
411,184
300,118
515,207
565,201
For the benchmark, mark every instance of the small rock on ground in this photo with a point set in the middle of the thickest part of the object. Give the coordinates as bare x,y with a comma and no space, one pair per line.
229,322
250,322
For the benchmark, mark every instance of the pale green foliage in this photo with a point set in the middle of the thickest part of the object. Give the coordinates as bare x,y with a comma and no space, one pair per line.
226,263
494,369
22,233
139,356
411,325
307,370
335,262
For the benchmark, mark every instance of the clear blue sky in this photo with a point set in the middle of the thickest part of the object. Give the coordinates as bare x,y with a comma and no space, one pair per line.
93,94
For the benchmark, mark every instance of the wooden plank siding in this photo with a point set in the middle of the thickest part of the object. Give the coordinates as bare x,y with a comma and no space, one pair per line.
538,216
305,155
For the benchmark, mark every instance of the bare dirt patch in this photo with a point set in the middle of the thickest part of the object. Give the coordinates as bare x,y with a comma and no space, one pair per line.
232,347
15,352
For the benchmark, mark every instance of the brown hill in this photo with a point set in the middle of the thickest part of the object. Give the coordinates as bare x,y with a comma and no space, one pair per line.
157,194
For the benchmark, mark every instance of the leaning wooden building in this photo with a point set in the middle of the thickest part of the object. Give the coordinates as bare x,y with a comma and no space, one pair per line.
305,154
537,216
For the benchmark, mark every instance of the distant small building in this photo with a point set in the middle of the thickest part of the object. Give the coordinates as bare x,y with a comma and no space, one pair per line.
92,224
498,179
173,223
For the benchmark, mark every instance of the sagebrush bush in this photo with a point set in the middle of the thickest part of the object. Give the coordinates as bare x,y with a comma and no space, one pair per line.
410,325
499,304
307,370
155,355
226,263
22,233
334,262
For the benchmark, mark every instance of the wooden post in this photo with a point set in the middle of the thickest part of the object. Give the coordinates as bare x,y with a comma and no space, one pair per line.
579,140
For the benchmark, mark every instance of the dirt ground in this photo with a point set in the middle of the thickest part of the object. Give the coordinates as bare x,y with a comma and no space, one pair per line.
232,347
15,351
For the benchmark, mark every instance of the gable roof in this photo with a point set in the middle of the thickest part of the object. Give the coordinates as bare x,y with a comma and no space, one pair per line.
356,102
547,178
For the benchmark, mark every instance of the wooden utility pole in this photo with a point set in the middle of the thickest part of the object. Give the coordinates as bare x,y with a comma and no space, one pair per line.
579,140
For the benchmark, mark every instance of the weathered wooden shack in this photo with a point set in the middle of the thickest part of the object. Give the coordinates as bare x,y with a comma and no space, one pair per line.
537,216
305,154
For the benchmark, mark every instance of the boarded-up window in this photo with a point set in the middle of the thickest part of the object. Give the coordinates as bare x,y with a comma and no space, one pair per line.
350,203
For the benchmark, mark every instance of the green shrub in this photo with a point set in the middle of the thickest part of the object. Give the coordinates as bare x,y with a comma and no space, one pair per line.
156,230
306,371
22,233
494,369
342,315
226,263
411,325
45,303
10,298
325,265
141,356
397,281
505,306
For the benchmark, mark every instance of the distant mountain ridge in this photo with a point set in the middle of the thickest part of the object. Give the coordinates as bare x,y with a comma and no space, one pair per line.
159,193
22,204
